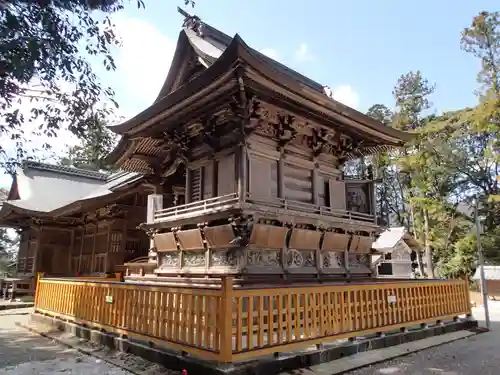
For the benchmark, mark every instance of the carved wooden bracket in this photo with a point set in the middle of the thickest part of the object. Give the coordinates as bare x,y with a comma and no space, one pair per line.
285,130
318,141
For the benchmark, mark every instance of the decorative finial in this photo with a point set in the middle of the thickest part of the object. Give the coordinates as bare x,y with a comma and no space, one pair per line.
191,22
328,91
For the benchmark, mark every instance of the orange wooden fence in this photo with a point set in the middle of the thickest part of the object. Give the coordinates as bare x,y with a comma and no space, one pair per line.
196,320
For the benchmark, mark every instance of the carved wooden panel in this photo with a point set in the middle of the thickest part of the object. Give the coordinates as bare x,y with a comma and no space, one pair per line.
358,198
219,236
268,236
298,183
304,239
165,242
337,194
226,179
260,177
335,241
359,263
190,239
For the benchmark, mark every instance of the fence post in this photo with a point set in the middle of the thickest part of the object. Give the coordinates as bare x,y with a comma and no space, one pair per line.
467,293
39,275
226,320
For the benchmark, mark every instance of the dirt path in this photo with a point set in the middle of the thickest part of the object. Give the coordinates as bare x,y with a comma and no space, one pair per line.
24,353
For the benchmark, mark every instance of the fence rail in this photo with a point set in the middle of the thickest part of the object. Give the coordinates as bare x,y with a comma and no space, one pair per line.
263,321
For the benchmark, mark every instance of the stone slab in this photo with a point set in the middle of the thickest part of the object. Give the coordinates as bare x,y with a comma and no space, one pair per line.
342,355
6,305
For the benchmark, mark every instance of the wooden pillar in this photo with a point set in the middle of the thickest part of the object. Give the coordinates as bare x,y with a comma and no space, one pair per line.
37,250
189,186
71,246
92,259
242,173
108,244
155,203
373,200
281,177
315,190
82,240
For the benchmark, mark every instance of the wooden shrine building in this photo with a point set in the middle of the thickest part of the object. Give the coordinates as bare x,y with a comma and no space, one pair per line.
252,151
73,221
399,254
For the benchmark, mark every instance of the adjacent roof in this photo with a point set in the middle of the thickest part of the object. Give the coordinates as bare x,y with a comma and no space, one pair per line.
391,236
44,189
490,273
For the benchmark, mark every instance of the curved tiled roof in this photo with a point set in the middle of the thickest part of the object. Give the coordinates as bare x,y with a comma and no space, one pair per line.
63,169
47,188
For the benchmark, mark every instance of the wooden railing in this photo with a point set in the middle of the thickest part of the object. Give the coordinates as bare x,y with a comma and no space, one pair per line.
226,202
263,321
185,210
310,208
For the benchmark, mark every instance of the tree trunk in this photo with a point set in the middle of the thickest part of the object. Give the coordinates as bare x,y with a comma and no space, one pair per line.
427,246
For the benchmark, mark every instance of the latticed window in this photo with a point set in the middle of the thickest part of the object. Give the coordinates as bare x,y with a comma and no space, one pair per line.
195,184
116,239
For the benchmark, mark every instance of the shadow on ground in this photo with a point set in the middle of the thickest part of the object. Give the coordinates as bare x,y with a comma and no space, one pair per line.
18,346
477,354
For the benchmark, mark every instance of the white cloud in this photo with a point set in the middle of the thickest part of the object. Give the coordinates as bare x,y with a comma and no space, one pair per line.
346,95
270,52
142,63
302,54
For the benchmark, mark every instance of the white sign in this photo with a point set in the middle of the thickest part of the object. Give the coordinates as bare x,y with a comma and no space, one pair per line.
109,299
391,299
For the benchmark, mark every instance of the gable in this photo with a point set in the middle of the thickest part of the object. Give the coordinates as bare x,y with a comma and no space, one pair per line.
13,193
186,64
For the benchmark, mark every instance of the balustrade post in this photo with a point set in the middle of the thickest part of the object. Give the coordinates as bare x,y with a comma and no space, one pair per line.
155,203
226,320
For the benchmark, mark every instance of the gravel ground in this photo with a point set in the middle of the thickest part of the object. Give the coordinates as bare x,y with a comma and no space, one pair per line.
23,353
476,355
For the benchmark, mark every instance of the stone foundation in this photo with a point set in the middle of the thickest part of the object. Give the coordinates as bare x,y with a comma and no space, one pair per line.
269,365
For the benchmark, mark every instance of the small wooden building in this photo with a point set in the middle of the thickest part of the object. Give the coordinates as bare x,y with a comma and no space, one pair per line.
74,221
398,257
252,152
492,276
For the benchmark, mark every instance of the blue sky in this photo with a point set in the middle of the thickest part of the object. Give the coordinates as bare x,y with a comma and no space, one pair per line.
360,46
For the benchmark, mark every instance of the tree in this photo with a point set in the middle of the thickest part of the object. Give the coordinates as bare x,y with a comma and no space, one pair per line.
8,244
92,151
45,75
382,170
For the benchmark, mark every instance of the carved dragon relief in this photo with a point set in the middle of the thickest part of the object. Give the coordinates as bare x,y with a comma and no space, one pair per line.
285,130
249,113
276,123
177,146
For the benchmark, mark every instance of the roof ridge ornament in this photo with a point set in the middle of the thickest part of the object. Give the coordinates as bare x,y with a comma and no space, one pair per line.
192,22
328,91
